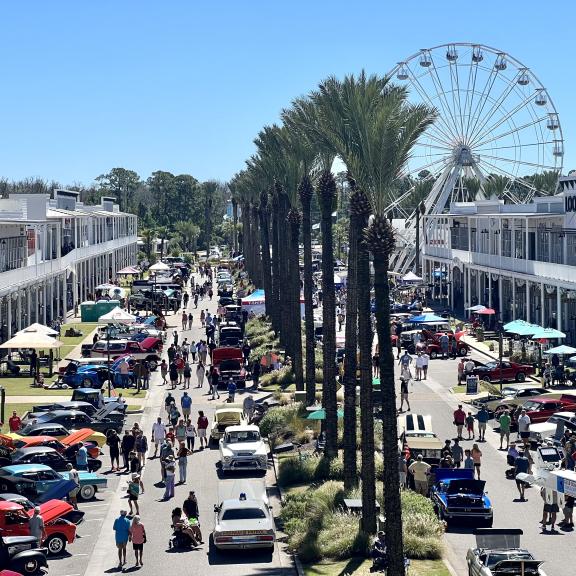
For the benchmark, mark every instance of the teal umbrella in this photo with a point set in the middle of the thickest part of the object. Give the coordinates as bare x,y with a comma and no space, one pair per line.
563,349
522,328
548,334
321,414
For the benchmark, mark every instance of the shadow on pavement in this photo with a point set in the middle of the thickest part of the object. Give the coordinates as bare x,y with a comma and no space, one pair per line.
249,556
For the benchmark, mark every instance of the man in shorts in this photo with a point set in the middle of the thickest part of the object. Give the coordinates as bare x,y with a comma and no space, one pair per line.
524,428
482,418
158,434
201,426
521,465
122,530
420,470
505,423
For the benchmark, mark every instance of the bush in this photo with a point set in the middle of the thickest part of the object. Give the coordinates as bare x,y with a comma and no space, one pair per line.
341,537
283,421
296,470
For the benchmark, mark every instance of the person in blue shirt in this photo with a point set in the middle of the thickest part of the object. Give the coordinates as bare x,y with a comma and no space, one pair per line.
482,416
122,531
82,458
231,390
186,403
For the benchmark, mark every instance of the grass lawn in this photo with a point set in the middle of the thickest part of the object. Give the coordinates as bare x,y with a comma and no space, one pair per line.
20,410
22,387
361,567
462,389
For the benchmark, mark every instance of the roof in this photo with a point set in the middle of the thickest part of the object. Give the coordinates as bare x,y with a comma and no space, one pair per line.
243,428
6,505
25,450
20,468
224,410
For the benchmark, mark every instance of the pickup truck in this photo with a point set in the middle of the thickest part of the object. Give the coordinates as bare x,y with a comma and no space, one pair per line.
229,363
539,409
243,517
149,349
242,448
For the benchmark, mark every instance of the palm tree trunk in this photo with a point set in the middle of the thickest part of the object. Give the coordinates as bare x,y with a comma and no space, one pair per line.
350,360
275,310
382,244
265,247
296,324
326,192
256,253
284,285
235,223
305,191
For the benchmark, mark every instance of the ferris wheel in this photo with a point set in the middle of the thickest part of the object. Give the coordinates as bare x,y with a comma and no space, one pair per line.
497,130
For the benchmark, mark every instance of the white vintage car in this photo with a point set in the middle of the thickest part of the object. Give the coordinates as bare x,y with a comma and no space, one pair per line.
242,448
225,417
498,553
243,518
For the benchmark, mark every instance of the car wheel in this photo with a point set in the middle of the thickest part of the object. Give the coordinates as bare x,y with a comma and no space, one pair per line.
87,492
520,377
56,544
463,351
87,383
28,566
153,365
433,355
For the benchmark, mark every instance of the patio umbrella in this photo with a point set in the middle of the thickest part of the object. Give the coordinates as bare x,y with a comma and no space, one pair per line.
33,340
129,270
475,308
522,328
562,349
548,334
321,414
117,316
38,329
159,267
423,318
486,311
105,286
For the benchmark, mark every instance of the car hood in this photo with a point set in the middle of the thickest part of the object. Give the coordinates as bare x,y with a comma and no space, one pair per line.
77,436
514,568
52,510
244,525
543,427
468,487
57,491
244,446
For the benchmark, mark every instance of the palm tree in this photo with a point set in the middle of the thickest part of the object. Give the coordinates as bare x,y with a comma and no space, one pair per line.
189,233
326,192
148,235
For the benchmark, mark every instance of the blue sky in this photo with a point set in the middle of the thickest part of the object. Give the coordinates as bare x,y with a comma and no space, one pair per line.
185,86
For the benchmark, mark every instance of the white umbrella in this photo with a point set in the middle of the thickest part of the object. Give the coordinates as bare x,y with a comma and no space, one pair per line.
563,349
117,316
38,329
116,293
105,286
159,267
35,340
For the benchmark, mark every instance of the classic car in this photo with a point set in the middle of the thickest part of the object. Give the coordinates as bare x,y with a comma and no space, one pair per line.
85,407
149,349
95,398
416,437
17,478
71,419
45,455
498,553
491,372
55,430
224,417
539,409
242,448
74,516
229,363
242,517
59,531
457,496
511,397
68,446
553,427
230,334
21,553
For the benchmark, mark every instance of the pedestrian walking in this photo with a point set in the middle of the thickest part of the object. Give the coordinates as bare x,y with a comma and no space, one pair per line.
158,434
203,318
468,462
470,426
182,457
457,453
482,417
82,457
164,372
568,511
376,365
402,470
75,477
135,488
165,450
141,447
521,466
174,415
190,435
180,432
113,442
145,375
476,454
425,362
550,509
404,381
175,337
505,422
184,320
138,538
187,375
459,421
170,472
121,529
444,343
231,390
186,404
190,320
127,446
200,371
173,372
201,426
256,369
461,369
419,365
180,368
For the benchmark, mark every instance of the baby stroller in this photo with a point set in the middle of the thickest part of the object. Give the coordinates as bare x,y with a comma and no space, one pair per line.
180,541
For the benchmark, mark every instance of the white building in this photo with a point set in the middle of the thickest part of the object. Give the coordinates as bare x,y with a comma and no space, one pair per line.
519,259
53,252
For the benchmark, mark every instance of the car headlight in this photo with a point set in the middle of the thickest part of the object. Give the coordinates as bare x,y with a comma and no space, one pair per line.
227,459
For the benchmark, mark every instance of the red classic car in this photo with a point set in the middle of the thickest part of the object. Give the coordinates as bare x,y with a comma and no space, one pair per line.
14,522
229,362
541,408
491,372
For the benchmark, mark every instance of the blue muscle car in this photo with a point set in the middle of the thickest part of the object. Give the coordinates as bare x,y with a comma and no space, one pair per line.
457,496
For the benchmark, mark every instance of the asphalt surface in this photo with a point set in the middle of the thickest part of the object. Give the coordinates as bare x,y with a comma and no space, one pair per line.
94,552
433,397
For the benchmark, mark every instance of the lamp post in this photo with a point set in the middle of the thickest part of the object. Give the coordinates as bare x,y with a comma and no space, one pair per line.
500,350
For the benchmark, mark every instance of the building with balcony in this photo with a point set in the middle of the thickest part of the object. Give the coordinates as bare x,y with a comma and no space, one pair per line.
54,252
519,259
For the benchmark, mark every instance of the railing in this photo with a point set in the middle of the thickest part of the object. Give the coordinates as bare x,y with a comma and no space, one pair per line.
12,278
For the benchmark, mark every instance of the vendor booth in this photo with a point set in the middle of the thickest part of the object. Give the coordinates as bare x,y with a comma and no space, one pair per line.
256,303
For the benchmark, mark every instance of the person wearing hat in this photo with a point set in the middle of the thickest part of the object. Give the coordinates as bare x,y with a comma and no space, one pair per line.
75,477
170,473
122,533
380,551
36,526
135,488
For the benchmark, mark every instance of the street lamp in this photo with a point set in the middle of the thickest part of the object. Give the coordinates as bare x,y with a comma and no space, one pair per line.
111,333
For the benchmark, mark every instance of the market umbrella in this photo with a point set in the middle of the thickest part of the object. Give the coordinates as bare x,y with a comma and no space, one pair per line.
522,328
548,334
423,318
321,414
117,316
129,270
486,311
105,286
32,340
476,308
562,349
39,329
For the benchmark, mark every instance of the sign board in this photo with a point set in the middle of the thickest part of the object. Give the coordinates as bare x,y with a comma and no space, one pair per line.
566,486
472,385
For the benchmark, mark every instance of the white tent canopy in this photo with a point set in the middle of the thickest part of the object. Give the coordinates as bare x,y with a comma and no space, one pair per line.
411,277
159,267
117,316
35,340
38,329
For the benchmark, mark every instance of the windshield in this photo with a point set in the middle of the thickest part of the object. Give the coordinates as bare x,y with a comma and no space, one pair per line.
491,365
243,514
531,405
496,557
237,437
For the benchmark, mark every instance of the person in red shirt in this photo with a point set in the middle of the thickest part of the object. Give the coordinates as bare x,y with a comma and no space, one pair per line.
201,426
14,422
459,420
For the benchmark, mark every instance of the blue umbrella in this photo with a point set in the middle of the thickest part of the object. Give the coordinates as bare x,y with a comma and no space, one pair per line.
522,328
423,318
547,334
562,349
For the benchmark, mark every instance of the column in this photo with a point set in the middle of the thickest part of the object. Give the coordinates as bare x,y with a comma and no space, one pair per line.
28,291
52,298
451,293
500,290
44,301
542,298
489,289
513,239
558,309
467,292
9,317
527,301
513,298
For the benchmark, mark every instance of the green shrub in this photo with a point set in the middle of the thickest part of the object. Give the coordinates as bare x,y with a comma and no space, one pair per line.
341,537
283,421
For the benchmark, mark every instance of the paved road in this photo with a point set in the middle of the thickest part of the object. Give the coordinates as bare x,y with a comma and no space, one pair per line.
433,397
94,553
